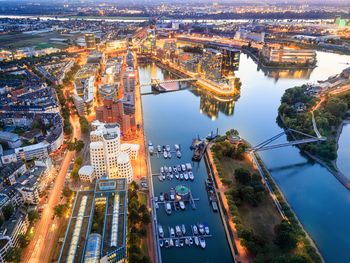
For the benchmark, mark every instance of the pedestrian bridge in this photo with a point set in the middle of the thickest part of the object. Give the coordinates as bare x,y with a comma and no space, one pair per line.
308,139
157,82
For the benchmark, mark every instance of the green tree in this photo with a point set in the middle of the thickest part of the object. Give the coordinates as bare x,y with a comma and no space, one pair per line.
60,210
243,176
33,216
7,211
286,237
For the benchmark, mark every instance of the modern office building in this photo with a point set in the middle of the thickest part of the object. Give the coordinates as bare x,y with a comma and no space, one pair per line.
105,152
287,55
11,139
87,173
90,41
211,64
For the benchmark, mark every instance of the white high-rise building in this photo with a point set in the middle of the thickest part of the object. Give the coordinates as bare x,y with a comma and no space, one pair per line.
107,159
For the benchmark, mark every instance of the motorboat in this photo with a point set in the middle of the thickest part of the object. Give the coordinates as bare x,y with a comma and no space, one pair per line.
156,199
161,197
163,176
161,169
183,229
170,169
165,154
195,230
174,169
183,167
178,231
160,231
161,243
171,242
166,169
178,154
167,148
169,155
187,241
186,176
201,229
150,147
159,149
177,243
177,147
188,167
166,243
160,178
202,242
172,232
196,241
182,205
190,240
171,176
178,168
191,176
168,209
181,176
206,230
181,242
177,176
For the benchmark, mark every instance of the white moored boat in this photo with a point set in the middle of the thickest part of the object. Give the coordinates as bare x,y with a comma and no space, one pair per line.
202,242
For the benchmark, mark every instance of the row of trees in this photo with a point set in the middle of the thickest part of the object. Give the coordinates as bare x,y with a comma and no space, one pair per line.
138,219
76,145
75,172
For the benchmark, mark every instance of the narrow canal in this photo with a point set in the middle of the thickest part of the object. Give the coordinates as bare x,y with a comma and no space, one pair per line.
320,201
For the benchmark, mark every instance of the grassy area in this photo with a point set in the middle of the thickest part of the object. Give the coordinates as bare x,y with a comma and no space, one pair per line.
262,218
20,40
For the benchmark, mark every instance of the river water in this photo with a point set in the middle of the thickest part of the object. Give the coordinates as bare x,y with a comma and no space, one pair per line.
319,200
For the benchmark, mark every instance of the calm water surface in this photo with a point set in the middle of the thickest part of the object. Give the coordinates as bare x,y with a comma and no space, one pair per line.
320,201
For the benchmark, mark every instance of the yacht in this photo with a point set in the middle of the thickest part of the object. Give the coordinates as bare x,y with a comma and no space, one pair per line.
187,241
163,176
171,176
177,243
174,169
206,230
177,176
156,199
178,154
165,154
159,149
178,168
150,147
167,148
168,208
181,176
191,241
160,231
172,232
182,205
177,147
166,169
161,243
183,229
170,169
196,241
201,229
161,197
183,167
186,176
169,155
202,242
178,231
166,243
181,242
171,242
191,176
161,169
195,230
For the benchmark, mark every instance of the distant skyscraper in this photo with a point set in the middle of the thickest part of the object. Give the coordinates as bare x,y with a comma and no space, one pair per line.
90,41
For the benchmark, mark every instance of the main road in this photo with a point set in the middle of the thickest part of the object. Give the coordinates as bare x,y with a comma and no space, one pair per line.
40,247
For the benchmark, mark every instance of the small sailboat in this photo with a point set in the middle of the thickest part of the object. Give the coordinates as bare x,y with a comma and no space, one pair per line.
182,205
165,154
183,229
160,231
186,176
172,232
206,230
195,230
191,176
196,241
181,176
171,242
201,229
161,243
202,242
166,243
178,231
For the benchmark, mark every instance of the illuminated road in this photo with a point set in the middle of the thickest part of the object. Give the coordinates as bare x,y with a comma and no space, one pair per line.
39,249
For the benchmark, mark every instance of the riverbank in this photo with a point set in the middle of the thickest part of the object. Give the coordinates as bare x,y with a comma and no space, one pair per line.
330,113
260,220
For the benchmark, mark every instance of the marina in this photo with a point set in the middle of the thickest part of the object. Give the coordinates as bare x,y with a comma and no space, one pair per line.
166,151
179,237
178,172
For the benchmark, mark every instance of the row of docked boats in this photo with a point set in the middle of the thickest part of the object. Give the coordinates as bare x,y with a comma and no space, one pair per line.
169,200
178,238
209,187
165,149
179,172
